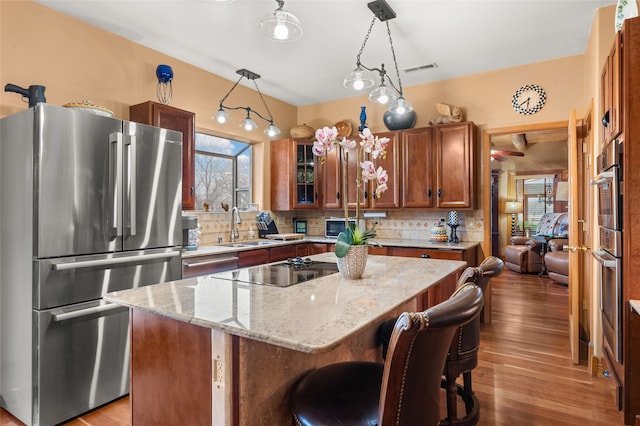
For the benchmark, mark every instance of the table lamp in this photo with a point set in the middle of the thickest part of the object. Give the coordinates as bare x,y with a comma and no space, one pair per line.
513,207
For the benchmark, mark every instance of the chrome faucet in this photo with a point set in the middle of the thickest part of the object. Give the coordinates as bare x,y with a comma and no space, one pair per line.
237,221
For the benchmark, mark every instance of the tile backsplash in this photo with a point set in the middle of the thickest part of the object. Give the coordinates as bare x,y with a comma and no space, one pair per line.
403,224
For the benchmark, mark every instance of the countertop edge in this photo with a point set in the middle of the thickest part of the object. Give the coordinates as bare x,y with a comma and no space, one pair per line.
208,250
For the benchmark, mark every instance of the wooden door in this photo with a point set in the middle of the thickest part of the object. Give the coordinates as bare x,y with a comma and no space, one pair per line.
417,169
579,237
332,179
454,165
390,199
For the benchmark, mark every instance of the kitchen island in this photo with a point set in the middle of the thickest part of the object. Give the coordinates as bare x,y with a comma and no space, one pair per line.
212,350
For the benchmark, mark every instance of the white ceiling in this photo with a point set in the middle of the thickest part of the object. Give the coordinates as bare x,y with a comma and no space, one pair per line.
462,37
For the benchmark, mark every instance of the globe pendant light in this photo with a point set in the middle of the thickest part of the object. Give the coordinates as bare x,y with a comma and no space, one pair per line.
281,25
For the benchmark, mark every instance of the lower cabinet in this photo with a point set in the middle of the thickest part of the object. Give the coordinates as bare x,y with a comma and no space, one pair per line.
467,255
253,257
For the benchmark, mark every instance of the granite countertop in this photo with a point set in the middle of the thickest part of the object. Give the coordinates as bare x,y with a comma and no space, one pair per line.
312,317
396,242
635,304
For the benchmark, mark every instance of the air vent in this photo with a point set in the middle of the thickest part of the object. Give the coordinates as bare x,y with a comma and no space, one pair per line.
421,67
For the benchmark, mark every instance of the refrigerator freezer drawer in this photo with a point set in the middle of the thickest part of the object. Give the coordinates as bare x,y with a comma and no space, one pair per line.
69,280
83,361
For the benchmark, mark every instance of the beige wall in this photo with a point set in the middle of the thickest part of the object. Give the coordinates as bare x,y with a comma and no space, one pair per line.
485,97
77,61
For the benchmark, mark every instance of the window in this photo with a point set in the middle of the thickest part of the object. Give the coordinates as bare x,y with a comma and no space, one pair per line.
223,173
536,194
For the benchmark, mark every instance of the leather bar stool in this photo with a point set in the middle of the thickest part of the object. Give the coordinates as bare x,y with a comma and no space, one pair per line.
463,354
405,390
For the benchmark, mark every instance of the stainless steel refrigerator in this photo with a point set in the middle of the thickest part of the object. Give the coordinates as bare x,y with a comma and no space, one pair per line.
88,205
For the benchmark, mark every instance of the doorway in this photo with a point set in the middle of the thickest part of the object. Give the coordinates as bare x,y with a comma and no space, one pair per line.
532,149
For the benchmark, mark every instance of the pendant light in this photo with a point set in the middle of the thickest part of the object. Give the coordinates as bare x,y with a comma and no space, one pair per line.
281,25
248,124
358,80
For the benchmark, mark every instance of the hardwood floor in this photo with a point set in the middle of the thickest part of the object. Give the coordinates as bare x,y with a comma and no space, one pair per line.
525,375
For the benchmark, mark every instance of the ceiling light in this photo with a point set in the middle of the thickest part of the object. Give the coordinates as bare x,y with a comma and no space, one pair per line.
357,79
281,25
248,124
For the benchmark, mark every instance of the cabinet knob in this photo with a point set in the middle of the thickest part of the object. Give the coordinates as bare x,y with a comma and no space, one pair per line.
192,189
439,193
425,256
366,195
337,195
429,193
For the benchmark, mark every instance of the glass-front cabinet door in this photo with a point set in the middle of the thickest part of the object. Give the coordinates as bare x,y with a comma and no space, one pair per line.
306,187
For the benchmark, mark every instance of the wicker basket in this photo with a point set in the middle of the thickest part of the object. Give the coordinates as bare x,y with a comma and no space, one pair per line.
302,131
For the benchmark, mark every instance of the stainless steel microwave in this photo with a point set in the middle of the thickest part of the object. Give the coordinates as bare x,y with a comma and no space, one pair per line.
334,226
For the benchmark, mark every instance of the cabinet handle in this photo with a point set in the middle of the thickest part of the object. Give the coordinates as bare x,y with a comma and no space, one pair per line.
192,190
429,193
439,193
605,119
337,195
366,195
425,256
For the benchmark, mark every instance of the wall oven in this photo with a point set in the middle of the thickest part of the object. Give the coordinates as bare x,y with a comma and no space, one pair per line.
608,186
609,258
609,252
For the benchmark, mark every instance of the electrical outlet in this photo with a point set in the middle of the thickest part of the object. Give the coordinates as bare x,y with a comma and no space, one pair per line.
218,372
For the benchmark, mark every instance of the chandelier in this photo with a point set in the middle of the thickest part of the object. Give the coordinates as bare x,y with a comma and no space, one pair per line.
358,80
248,123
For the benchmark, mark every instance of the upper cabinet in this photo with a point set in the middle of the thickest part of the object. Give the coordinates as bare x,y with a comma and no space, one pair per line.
294,175
430,167
611,118
171,118
438,166
332,172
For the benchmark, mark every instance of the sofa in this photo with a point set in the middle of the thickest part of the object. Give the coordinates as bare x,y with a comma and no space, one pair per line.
557,261
524,254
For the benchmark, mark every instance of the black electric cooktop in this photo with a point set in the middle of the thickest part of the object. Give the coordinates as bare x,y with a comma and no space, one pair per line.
285,274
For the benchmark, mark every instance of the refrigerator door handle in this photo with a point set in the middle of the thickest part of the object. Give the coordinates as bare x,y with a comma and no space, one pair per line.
115,183
131,156
112,261
86,311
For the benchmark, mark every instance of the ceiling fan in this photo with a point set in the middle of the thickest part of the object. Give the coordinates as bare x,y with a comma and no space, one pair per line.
498,154
519,141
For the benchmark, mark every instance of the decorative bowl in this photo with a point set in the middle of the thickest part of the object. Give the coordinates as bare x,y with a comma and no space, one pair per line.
302,131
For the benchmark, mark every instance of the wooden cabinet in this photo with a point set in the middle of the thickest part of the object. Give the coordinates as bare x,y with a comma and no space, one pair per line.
294,175
627,49
332,178
282,253
438,166
468,255
317,248
611,118
171,118
253,257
